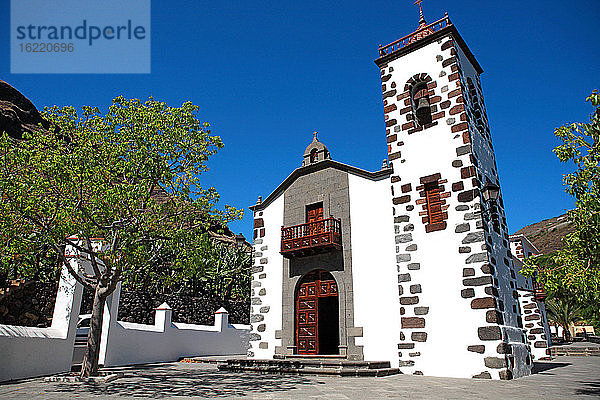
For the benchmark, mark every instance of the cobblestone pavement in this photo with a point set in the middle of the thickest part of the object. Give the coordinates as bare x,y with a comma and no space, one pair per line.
564,377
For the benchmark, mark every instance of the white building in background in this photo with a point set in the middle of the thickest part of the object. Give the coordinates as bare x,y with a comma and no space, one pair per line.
531,299
406,264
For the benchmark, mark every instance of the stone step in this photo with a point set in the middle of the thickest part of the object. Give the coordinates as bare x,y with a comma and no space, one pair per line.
344,364
317,362
310,357
314,366
343,371
575,351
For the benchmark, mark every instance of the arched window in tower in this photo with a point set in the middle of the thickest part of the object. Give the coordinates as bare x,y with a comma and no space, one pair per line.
420,103
314,156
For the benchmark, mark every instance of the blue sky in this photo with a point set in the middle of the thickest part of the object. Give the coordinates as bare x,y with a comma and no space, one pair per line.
268,74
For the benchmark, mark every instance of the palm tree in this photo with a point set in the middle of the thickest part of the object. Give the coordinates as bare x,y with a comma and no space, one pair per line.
564,313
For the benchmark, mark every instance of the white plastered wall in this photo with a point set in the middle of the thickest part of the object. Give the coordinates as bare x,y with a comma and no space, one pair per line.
487,170
374,271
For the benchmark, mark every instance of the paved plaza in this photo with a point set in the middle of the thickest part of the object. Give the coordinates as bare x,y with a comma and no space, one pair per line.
562,378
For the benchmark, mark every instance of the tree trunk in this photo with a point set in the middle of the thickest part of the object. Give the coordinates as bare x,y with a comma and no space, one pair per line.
566,333
89,367
227,295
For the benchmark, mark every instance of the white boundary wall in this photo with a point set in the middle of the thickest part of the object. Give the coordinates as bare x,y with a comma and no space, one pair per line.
126,343
27,352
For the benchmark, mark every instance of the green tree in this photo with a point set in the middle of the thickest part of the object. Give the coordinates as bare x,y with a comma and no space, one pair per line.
574,271
231,271
130,176
220,268
564,313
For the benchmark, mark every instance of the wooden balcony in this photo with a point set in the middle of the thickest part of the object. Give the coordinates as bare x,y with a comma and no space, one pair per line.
420,33
316,237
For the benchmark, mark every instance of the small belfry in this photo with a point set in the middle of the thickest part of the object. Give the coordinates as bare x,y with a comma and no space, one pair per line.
315,152
409,266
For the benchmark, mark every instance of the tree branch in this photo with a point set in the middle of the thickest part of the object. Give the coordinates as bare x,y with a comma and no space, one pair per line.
115,278
92,257
66,263
80,248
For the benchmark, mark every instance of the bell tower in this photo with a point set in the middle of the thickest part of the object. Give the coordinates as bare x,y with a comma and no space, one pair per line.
458,301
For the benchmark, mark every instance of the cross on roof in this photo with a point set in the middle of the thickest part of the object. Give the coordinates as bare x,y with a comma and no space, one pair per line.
421,18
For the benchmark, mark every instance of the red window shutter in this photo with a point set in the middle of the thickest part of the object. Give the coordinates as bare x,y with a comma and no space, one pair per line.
434,204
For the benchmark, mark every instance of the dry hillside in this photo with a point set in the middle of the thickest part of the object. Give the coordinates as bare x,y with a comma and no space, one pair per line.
546,235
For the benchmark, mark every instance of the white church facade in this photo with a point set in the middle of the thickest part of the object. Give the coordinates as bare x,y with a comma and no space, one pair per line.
410,264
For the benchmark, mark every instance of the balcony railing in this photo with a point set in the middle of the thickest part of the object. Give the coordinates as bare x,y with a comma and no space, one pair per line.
311,238
539,292
420,33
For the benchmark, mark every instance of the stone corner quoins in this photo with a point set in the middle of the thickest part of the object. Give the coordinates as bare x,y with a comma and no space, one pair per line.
258,309
412,312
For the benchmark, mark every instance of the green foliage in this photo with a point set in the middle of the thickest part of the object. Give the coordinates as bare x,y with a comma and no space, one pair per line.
95,176
574,272
130,177
564,312
228,275
207,268
225,271
39,264
581,254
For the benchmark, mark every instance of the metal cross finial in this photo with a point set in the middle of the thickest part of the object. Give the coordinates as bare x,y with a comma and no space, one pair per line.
421,17
315,133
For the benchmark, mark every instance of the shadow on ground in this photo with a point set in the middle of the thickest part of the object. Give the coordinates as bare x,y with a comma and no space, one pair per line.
169,381
589,388
540,366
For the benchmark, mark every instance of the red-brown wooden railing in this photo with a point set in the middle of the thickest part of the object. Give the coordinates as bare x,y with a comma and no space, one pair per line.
416,35
311,237
539,292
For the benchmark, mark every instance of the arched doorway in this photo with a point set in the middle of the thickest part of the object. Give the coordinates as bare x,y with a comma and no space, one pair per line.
317,314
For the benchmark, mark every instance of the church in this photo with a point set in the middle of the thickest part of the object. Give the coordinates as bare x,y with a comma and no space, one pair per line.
410,264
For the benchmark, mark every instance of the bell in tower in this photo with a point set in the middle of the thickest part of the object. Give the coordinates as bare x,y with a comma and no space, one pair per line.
422,106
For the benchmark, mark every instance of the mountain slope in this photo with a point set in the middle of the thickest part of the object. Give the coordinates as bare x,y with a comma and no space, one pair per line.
546,235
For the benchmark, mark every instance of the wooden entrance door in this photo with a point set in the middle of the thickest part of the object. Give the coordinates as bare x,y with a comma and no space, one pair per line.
314,286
